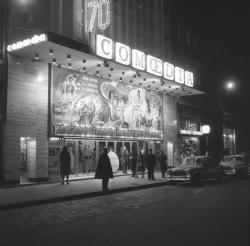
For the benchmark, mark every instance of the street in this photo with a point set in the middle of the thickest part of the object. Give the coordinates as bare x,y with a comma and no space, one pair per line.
209,214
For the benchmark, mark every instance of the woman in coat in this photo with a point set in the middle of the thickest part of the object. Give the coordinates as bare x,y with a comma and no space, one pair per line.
65,161
140,165
104,169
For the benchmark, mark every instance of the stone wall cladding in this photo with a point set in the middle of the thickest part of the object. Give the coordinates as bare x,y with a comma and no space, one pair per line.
27,115
170,120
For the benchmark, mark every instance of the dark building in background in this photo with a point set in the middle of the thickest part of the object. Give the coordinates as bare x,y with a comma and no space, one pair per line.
159,28
189,46
211,37
4,17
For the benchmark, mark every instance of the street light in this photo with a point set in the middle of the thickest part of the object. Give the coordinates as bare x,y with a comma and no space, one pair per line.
230,85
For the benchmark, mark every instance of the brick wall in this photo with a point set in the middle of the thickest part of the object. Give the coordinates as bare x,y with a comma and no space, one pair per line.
27,116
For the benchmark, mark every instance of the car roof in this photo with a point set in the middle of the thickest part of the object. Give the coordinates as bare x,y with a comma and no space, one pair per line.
233,156
199,156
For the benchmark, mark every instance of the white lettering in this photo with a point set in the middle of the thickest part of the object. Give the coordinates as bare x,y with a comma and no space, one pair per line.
168,71
138,60
27,42
154,65
179,75
189,79
122,53
104,47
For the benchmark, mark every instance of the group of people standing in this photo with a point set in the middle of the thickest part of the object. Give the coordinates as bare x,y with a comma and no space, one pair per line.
139,161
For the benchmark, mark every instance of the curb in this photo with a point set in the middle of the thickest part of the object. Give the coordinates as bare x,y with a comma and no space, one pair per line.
79,196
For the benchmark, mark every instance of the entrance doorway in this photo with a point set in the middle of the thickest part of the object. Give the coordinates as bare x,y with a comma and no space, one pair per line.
86,154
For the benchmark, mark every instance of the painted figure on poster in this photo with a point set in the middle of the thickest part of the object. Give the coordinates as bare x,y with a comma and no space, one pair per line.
117,98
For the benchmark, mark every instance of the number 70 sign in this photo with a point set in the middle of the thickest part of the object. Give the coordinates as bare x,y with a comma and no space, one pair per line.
101,9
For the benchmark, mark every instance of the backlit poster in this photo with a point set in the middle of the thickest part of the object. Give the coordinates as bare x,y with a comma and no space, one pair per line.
86,105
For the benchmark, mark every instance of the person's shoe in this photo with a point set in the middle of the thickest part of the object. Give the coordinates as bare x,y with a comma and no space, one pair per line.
62,183
67,183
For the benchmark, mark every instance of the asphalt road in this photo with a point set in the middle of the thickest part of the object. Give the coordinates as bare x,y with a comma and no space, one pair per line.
211,214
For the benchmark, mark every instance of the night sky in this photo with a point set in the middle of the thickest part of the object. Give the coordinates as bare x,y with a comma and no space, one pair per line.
224,27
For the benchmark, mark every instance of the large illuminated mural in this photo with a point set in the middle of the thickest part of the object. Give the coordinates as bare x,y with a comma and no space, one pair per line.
84,105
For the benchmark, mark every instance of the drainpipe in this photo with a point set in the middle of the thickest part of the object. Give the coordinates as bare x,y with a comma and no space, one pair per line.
4,21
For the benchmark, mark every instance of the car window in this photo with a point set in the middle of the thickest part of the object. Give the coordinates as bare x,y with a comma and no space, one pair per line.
198,161
228,158
238,158
188,161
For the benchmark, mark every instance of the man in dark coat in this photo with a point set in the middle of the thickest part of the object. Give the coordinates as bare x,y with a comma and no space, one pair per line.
151,163
162,158
104,169
65,167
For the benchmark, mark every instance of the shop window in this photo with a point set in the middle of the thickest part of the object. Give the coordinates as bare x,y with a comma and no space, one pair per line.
189,146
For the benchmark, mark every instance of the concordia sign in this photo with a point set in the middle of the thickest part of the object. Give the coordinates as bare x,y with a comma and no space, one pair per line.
123,54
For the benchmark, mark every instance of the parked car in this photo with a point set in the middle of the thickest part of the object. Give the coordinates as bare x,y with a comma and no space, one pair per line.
235,165
195,169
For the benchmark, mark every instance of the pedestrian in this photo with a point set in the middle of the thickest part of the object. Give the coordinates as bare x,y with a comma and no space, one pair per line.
104,169
133,160
151,162
124,159
72,160
162,158
65,164
140,164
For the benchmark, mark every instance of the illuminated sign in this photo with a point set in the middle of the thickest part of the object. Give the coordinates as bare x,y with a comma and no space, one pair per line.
101,9
191,132
138,60
168,71
36,39
98,108
154,65
179,75
104,47
122,53
205,129
189,79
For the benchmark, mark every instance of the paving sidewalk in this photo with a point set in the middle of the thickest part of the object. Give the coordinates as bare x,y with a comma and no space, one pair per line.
21,196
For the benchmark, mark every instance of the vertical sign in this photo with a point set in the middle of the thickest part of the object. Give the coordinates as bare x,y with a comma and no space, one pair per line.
90,18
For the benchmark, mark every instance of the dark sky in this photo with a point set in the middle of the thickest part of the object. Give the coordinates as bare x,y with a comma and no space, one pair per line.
225,28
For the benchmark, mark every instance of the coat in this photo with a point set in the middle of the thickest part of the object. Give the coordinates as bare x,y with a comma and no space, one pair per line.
151,162
140,165
163,160
104,169
65,161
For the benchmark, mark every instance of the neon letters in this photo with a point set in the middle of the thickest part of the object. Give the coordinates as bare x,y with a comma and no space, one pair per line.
27,42
100,8
121,53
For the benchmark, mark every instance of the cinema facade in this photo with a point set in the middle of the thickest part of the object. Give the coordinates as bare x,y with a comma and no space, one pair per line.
62,92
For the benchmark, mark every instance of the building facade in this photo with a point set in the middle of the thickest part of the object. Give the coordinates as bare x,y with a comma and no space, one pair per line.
89,74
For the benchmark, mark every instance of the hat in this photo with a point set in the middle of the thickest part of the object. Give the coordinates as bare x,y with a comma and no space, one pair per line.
120,88
154,99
